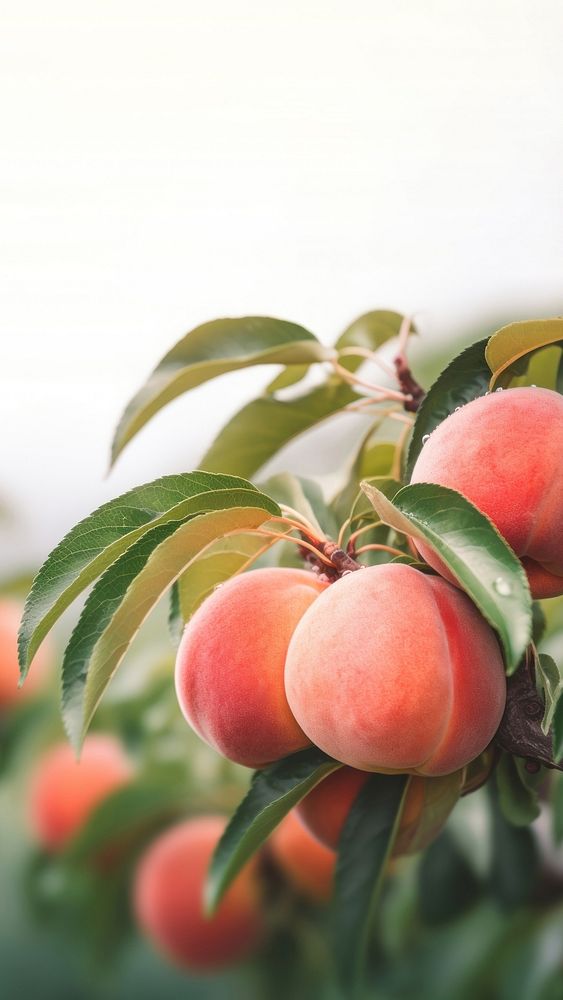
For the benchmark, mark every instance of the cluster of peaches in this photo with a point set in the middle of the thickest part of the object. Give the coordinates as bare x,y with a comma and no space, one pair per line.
387,669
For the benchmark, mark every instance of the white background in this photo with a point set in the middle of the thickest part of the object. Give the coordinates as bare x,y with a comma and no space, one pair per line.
164,164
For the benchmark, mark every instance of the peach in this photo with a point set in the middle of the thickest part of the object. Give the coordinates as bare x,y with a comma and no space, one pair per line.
168,899
65,791
230,665
10,616
307,864
504,453
428,804
392,669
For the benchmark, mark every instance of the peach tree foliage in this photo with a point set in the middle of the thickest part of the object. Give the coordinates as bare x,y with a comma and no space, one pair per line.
186,533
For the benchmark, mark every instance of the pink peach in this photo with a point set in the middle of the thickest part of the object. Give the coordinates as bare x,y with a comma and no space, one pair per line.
392,669
230,665
504,453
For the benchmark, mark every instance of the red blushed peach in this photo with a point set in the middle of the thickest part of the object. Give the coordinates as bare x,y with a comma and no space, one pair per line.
394,670
230,665
504,453
168,900
428,804
307,864
64,791
10,694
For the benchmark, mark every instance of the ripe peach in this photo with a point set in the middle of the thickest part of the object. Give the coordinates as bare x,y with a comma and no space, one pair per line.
394,670
168,899
503,452
307,864
230,665
10,694
64,791
428,804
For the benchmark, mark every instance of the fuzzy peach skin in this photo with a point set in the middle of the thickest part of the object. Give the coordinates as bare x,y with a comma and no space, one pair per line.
504,452
395,670
428,804
307,864
65,791
168,900
230,665
10,616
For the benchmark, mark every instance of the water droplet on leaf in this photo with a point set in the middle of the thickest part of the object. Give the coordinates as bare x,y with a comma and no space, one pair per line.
426,438
502,587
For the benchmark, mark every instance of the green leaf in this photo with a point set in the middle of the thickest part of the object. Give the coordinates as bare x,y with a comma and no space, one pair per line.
471,548
539,623
126,816
221,561
518,799
175,620
257,432
465,378
515,858
129,590
447,884
289,376
549,676
273,793
224,345
369,331
305,496
365,847
368,462
514,342
97,541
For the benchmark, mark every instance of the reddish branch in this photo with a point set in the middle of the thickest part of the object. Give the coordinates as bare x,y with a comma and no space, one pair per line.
408,384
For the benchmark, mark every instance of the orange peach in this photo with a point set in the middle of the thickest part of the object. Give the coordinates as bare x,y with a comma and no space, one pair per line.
168,900
392,669
428,804
10,616
230,665
65,791
307,864
504,453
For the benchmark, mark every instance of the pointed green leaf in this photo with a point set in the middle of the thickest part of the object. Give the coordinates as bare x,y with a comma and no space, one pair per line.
515,858
369,462
305,496
224,345
369,331
257,432
465,378
97,541
518,798
289,376
273,793
549,676
471,548
365,847
514,342
127,593
220,562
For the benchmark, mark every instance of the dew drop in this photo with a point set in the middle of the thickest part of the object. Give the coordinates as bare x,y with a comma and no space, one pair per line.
502,587
487,393
457,408
533,386
500,389
426,438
